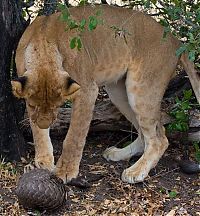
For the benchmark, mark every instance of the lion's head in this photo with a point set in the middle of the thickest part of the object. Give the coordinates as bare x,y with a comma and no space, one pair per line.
44,92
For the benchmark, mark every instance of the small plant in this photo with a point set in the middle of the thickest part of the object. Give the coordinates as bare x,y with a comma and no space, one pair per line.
7,170
172,194
180,112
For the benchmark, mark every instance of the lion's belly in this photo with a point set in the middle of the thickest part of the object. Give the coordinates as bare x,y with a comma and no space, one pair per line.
109,73
112,64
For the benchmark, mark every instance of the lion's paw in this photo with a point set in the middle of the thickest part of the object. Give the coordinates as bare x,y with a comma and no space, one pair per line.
131,175
115,154
111,154
66,172
45,162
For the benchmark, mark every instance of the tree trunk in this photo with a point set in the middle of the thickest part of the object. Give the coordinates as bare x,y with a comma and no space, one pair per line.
12,25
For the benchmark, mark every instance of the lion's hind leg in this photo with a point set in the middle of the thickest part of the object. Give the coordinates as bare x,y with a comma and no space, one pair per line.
118,95
146,105
155,146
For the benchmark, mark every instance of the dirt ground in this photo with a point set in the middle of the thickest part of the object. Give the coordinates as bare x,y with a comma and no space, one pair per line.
167,191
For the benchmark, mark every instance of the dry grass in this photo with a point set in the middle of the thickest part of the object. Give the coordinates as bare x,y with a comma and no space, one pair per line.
8,178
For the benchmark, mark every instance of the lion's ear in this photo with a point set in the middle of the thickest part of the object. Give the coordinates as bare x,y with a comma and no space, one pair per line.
71,87
18,85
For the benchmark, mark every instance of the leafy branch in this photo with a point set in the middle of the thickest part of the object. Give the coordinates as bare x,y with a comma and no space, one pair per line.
89,24
182,18
180,112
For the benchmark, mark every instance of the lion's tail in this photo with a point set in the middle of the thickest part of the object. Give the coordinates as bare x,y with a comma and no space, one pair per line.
188,166
194,77
193,74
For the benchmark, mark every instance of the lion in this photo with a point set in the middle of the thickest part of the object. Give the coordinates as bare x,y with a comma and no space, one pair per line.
134,67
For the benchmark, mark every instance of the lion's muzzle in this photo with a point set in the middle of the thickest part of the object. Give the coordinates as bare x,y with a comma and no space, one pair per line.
44,120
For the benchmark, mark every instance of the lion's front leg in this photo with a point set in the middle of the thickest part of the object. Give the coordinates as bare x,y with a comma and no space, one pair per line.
43,148
68,164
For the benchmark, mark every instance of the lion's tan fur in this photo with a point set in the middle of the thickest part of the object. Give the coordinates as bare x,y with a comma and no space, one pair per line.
135,64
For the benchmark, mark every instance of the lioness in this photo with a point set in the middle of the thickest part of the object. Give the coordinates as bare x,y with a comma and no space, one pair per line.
135,67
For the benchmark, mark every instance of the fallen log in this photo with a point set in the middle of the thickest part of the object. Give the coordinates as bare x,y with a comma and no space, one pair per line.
107,117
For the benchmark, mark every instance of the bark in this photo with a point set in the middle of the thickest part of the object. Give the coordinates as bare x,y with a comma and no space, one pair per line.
12,25
49,7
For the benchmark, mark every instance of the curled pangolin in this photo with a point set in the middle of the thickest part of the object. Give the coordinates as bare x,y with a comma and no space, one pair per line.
40,189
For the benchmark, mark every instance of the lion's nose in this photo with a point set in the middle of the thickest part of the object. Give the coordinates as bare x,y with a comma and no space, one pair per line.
44,122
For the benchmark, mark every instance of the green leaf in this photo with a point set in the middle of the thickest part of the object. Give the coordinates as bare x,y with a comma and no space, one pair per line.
61,6
65,16
181,116
196,145
83,2
99,13
197,65
180,50
176,2
197,156
92,23
178,126
164,23
73,24
82,23
184,126
147,4
79,44
191,55
73,42
191,36
172,194
162,190
177,100
154,1
166,31
185,105
90,27
23,13
187,94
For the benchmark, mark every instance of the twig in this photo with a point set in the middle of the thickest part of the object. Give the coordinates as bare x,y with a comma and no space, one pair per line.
159,174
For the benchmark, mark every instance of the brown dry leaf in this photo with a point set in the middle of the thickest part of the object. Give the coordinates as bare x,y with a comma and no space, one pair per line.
171,213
